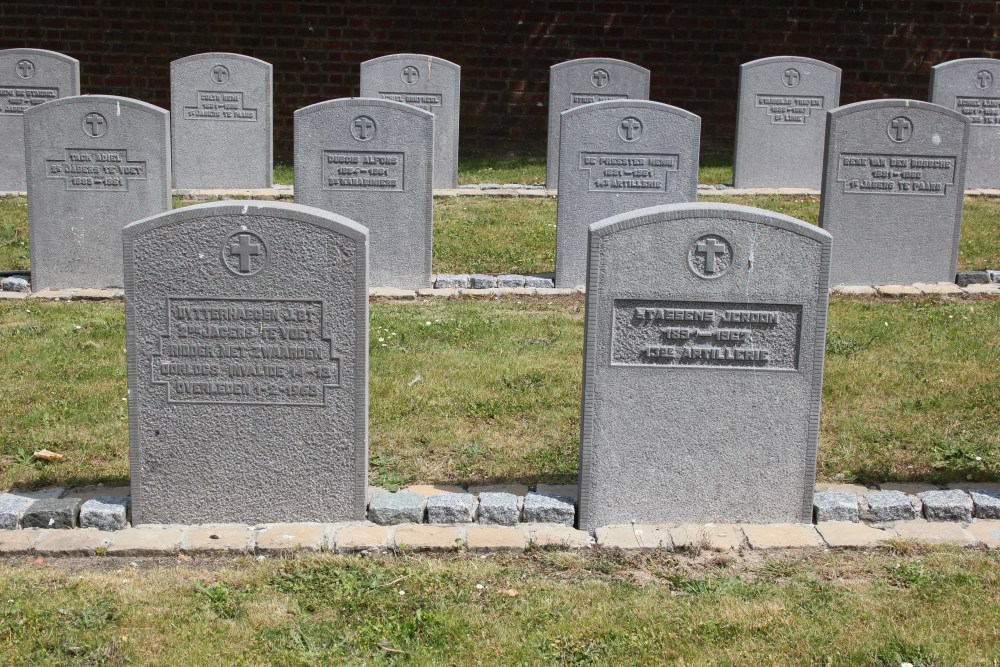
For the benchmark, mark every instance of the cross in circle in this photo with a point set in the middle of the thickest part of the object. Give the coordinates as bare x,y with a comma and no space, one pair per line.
791,77
984,79
600,78
220,74
25,69
631,127
410,74
363,125
902,128
245,250
95,124
711,248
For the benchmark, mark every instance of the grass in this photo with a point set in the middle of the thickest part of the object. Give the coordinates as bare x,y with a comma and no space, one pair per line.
545,607
489,391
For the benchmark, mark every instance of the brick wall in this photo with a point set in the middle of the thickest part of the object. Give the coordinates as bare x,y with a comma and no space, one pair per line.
693,49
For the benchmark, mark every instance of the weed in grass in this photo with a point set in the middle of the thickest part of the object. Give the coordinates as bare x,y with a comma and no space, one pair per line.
222,600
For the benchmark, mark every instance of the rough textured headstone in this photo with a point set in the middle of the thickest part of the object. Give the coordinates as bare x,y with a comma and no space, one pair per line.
703,366
220,116
971,86
781,122
95,164
247,339
585,81
371,161
429,83
893,179
28,77
618,156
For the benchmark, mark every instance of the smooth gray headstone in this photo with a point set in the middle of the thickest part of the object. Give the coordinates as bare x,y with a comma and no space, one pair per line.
971,86
889,506
584,81
893,184
703,366
429,83
835,506
389,509
105,513
28,77
781,122
451,508
986,503
12,508
950,505
618,156
221,121
95,164
372,161
543,508
247,340
498,509
61,513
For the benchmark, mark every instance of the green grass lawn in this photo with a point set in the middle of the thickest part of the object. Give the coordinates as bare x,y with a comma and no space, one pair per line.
469,391
898,605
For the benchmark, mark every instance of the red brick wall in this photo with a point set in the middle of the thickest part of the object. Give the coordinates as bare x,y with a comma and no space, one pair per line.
693,49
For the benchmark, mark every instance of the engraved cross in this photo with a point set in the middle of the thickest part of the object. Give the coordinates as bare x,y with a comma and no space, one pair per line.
631,126
409,74
245,250
363,125
791,77
600,78
984,79
25,69
95,123
711,248
902,127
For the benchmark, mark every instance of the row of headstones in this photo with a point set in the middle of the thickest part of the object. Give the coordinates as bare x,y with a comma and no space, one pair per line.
247,348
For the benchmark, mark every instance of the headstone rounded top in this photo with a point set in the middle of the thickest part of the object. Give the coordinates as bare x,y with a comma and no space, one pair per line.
962,62
119,102
305,214
599,61
629,104
434,60
364,102
855,107
655,214
55,55
222,55
772,60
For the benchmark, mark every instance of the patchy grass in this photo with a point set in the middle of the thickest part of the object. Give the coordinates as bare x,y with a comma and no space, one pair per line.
544,607
489,391
283,175
715,168
501,168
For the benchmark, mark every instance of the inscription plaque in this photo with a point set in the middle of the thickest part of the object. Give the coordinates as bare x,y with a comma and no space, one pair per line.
781,122
628,172
355,170
585,81
702,384
219,106
101,169
968,86
893,187
247,372
431,84
28,78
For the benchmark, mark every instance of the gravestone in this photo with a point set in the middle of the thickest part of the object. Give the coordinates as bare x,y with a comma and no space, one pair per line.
781,122
28,77
428,83
95,164
372,161
585,81
247,340
893,179
618,156
703,366
220,120
971,86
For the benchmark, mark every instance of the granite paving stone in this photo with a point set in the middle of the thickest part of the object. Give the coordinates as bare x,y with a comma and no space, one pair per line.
986,503
952,505
15,284
889,506
52,513
12,508
387,509
543,508
447,508
482,281
498,509
538,281
835,506
510,281
105,513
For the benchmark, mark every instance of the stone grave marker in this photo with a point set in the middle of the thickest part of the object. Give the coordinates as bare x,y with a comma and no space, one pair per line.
247,340
28,77
220,115
703,366
95,163
429,83
617,156
781,122
371,160
971,86
893,179
585,81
